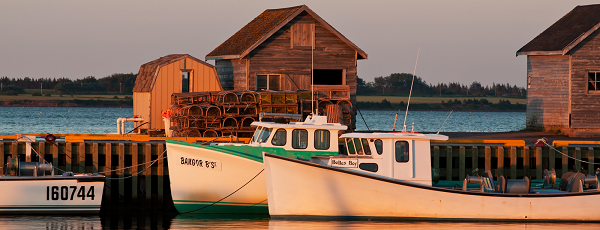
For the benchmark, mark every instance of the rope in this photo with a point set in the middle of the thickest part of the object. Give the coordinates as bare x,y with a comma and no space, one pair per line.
543,140
154,161
362,117
136,127
227,195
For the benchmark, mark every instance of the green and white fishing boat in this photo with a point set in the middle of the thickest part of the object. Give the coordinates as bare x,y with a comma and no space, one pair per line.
229,178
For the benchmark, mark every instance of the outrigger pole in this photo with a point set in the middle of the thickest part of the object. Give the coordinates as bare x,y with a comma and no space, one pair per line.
409,94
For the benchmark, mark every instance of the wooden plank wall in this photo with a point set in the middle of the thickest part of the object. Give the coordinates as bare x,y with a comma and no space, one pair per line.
585,110
548,92
276,56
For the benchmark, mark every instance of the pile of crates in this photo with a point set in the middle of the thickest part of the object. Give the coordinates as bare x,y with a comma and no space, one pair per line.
223,113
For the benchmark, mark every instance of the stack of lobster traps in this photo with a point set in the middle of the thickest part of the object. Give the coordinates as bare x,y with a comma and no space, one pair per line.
224,113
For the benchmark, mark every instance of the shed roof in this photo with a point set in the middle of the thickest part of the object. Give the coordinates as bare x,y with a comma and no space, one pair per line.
565,33
262,27
149,71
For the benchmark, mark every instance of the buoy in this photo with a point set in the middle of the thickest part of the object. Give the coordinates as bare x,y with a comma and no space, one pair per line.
40,113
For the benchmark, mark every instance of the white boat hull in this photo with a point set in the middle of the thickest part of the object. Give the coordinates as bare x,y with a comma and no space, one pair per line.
297,188
214,189
51,194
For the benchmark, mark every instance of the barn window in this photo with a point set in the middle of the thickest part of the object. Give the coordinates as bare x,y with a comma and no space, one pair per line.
594,81
185,82
302,34
268,82
328,77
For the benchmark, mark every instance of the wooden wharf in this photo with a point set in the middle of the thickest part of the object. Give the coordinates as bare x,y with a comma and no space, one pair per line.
132,184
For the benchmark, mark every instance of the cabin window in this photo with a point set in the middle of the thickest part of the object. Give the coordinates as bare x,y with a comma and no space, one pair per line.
185,82
256,134
373,167
401,151
279,137
322,139
302,34
366,146
594,81
299,138
358,145
350,145
268,82
264,135
379,146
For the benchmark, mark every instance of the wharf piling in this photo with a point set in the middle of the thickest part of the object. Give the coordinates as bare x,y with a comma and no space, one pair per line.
135,184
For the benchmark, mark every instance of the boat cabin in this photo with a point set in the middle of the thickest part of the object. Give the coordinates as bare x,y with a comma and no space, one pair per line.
313,134
404,156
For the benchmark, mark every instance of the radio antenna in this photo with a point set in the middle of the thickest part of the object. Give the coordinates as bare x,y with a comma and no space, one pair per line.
438,132
411,88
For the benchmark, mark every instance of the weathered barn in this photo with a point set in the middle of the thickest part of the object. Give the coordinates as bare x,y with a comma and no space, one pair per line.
279,49
563,74
174,73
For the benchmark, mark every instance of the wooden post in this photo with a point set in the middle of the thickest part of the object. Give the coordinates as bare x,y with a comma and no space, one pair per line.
488,158
461,163
2,157
68,156
133,171
148,175
591,155
500,154
14,149
54,150
121,164
108,173
81,156
565,161
41,151
475,157
28,158
449,163
95,158
578,157
538,163
160,174
513,162
552,160
525,155
436,157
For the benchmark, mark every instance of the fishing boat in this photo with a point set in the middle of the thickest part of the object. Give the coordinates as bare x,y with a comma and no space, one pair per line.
388,175
32,188
229,178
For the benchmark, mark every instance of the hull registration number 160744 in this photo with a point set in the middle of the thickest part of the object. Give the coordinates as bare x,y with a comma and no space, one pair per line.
69,192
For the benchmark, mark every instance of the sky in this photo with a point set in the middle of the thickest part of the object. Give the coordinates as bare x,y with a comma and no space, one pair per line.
456,41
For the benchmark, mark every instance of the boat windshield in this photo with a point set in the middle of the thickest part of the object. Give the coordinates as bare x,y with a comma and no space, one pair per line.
256,134
264,135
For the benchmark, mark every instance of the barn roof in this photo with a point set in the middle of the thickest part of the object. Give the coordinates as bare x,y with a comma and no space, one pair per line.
262,27
566,33
149,71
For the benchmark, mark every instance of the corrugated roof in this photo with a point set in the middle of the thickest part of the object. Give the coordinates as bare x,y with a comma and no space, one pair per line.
149,71
261,27
566,33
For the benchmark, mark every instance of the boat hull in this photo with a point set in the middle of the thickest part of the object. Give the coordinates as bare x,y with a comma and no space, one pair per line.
51,194
300,189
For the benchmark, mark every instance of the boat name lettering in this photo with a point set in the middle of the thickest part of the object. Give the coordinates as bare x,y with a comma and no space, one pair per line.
344,163
63,193
207,164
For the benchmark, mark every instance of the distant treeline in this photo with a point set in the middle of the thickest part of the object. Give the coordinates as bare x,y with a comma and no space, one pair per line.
399,83
469,105
115,83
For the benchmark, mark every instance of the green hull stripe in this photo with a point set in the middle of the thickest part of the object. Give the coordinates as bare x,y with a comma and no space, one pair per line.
255,153
221,209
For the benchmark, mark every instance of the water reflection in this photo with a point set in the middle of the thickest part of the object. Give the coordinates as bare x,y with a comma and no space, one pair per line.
50,222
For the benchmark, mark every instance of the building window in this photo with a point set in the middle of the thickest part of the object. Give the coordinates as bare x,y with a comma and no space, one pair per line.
299,138
279,137
185,82
268,82
322,139
302,34
401,151
594,81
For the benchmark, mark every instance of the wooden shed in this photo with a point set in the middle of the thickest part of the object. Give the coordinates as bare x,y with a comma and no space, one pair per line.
174,73
563,74
278,50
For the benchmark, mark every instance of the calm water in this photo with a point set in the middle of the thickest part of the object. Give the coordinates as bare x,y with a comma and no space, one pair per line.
59,120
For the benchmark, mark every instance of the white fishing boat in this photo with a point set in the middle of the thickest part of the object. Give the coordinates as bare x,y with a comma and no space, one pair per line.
32,188
229,178
388,175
